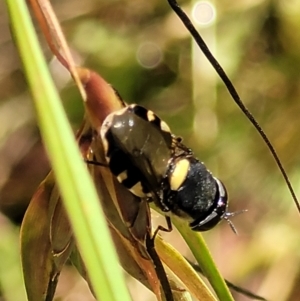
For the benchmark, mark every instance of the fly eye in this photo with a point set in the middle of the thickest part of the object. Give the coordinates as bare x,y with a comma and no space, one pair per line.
219,211
209,222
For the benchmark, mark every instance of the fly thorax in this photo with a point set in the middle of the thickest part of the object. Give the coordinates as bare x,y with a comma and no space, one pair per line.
193,188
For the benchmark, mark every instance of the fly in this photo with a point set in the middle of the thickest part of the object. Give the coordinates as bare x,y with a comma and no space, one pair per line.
153,163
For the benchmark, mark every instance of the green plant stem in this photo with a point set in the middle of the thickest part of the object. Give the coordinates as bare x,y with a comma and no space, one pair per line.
199,249
77,190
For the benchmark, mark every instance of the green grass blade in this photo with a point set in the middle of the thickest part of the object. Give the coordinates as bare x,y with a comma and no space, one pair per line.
199,249
79,194
11,281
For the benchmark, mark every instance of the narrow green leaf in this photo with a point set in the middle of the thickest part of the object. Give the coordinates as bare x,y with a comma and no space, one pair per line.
183,270
79,195
199,249
11,281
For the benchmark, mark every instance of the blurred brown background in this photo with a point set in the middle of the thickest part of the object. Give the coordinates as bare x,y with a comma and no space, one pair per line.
143,50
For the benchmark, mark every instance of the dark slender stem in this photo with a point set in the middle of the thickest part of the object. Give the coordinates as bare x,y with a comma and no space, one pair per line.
92,162
159,268
232,91
232,286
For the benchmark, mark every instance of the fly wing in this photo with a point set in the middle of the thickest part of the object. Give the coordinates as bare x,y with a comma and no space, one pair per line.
138,148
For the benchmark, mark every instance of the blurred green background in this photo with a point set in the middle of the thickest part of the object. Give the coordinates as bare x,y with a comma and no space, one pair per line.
143,50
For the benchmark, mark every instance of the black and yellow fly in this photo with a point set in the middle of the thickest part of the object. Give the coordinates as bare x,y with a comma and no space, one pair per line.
154,164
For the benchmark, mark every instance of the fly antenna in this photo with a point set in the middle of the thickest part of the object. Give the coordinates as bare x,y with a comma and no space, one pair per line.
232,91
227,217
